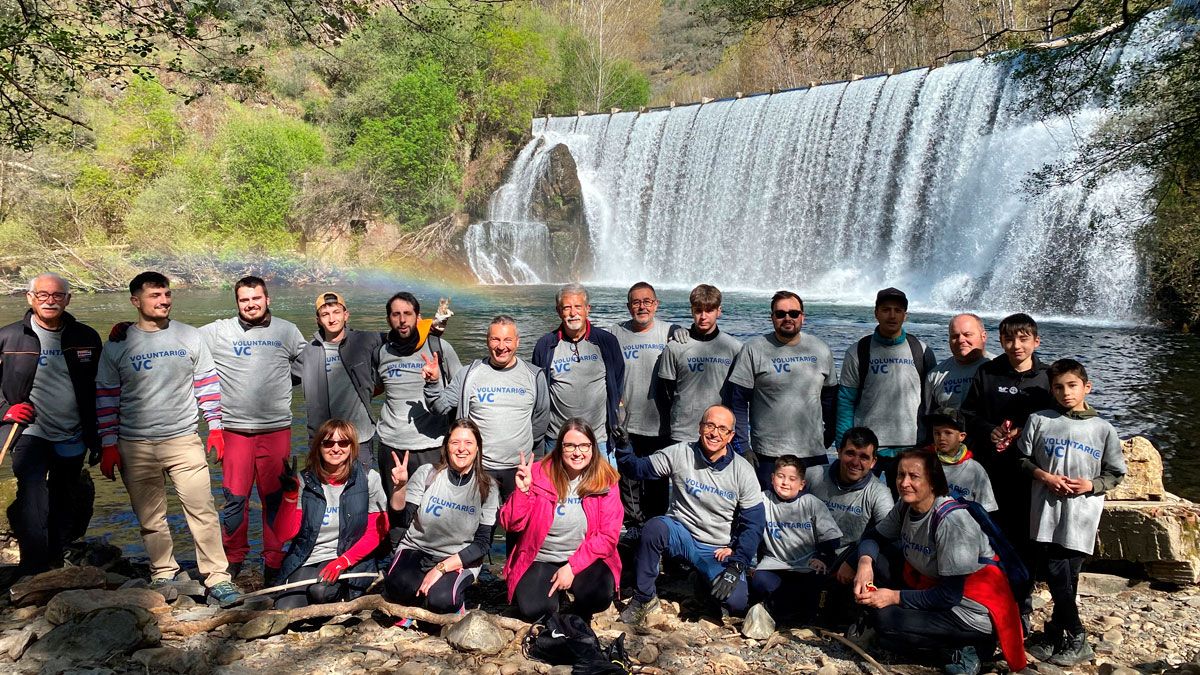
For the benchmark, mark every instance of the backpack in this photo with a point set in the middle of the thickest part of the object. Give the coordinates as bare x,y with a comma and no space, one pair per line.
864,356
1010,561
568,640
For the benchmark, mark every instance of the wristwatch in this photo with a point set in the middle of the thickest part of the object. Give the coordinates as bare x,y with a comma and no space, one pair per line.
441,567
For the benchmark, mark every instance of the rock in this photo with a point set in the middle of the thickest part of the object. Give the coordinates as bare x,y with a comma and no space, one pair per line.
331,632
100,635
1144,479
1048,668
134,583
1115,637
489,669
557,201
114,580
1116,669
734,663
1110,622
1101,585
256,604
561,670
228,654
183,602
827,670
648,654
197,614
803,634
171,660
510,668
263,626
476,633
71,604
16,643
42,587
758,624
1163,536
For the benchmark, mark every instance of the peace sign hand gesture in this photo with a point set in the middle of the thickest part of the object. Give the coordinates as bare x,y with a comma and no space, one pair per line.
399,470
431,371
523,477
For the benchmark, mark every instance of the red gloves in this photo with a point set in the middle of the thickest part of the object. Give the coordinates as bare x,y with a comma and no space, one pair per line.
21,413
216,441
110,459
334,569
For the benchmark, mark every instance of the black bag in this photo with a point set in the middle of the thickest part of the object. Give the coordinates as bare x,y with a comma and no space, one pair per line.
567,639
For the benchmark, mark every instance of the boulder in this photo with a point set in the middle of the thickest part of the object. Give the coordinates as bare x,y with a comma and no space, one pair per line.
171,660
1101,585
1144,478
758,624
14,644
46,585
557,201
1162,535
72,604
266,625
98,636
476,633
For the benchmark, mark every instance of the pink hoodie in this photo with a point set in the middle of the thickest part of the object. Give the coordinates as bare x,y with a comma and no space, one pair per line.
531,514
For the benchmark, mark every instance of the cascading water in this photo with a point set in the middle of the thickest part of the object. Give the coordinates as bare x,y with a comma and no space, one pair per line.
912,180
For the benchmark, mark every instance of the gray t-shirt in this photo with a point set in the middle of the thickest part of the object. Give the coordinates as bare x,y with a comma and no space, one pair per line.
1077,448
577,387
344,402
946,385
447,514
255,367
793,531
785,409
53,395
641,352
698,368
327,537
566,529
891,398
969,480
853,510
405,421
956,552
704,499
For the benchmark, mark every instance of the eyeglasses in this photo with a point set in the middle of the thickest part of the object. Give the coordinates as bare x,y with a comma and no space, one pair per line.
789,313
706,427
340,442
643,303
46,295
575,351
577,447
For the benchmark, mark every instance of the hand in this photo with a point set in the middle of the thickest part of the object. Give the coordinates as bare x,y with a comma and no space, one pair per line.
844,574
440,317
1003,435
1078,486
880,598
523,478
727,581
561,580
618,438
431,578
1056,484
680,335
334,569
110,459
289,479
818,566
216,442
19,413
722,553
119,330
399,471
431,371
864,579
750,456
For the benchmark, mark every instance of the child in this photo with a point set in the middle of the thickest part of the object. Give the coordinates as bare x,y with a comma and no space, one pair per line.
1074,458
801,538
966,477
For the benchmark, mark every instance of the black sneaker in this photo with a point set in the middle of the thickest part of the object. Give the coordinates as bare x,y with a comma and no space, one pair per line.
635,612
964,661
1046,643
1074,650
234,569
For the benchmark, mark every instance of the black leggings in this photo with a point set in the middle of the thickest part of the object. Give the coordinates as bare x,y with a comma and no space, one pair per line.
313,594
507,480
447,594
593,589
1062,566
416,459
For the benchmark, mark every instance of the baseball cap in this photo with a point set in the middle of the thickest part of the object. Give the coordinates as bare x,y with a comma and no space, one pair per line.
890,294
330,297
946,417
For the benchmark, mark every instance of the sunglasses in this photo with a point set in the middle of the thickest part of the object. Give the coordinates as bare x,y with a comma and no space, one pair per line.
340,442
789,313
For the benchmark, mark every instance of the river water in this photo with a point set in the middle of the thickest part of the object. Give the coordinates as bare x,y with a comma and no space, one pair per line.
1147,380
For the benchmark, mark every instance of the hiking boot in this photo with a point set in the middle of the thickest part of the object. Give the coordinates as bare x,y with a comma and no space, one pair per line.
234,569
226,594
1044,644
635,612
1074,650
964,661
861,633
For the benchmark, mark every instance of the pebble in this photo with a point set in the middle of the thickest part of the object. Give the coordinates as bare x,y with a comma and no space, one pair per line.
1115,637
1110,622
648,654
827,670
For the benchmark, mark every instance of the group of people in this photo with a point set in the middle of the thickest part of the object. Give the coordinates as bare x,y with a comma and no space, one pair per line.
684,443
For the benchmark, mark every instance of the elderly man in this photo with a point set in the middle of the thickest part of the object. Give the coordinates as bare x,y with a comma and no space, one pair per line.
946,385
584,369
715,521
48,363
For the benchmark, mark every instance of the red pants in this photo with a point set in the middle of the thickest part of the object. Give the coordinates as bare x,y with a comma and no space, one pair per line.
251,457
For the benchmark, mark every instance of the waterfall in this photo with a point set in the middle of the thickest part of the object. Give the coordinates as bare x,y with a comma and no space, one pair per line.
911,180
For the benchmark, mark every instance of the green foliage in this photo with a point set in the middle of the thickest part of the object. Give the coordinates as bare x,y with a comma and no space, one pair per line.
592,83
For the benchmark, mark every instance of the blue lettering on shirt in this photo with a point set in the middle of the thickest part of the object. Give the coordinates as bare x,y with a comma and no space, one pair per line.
883,365
331,512
397,369
44,359
145,361
696,364
494,394
331,359
696,489
245,347
775,528
1058,447
909,545
848,508
955,386
632,352
436,504
783,364
570,501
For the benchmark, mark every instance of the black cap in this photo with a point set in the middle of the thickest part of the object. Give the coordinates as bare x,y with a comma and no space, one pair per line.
946,417
890,294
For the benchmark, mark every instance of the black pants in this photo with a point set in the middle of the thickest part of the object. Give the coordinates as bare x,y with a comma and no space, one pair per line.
644,499
447,594
788,592
313,594
593,589
1061,567
507,480
50,503
416,459
1012,517
886,467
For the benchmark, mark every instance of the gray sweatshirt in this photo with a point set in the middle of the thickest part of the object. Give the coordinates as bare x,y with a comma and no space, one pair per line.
405,421
641,352
946,385
255,367
703,499
447,514
793,531
853,508
698,368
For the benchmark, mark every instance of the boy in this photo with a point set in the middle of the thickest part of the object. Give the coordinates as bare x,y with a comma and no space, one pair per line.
1074,457
800,538
691,373
966,477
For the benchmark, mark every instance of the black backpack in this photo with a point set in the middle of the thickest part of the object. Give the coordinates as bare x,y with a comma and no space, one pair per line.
1010,561
568,640
864,357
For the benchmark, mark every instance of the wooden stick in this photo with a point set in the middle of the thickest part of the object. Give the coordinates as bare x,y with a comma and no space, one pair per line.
858,650
309,582
12,434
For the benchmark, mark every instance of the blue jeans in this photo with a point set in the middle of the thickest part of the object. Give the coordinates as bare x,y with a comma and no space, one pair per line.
551,441
666,535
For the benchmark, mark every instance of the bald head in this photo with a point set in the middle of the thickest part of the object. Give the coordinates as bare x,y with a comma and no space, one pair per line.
968,339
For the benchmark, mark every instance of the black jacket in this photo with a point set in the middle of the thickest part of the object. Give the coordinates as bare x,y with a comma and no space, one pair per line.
360,354
20,350
1000,393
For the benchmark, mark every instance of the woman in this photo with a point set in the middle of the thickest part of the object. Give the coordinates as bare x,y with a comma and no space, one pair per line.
955,598
335,515
452,510
567,514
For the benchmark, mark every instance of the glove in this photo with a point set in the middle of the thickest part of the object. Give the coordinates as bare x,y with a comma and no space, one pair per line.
216,441
728,580
93,457
110,459
289,480
334,569
119,330
19,413
617,438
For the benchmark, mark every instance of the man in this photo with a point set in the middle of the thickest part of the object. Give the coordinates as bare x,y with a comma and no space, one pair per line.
338,373
716,518
584,369
254,353
48,363
782,389
692,373
147,422
946,385
882,381
406,425
642,341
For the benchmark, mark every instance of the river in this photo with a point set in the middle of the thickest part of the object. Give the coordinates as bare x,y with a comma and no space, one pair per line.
1147,380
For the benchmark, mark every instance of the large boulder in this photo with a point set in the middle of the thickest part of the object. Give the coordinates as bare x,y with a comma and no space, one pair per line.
98,636
1144,478
476,633
1164,536
73,604
557,201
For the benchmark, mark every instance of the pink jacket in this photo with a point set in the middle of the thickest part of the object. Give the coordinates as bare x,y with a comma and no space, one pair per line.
531,514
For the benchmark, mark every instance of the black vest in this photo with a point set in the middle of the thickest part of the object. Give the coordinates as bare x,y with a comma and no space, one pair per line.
352,523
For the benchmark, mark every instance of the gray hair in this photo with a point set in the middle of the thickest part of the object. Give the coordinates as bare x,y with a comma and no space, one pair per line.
506,320
570,289
977,318
66,286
